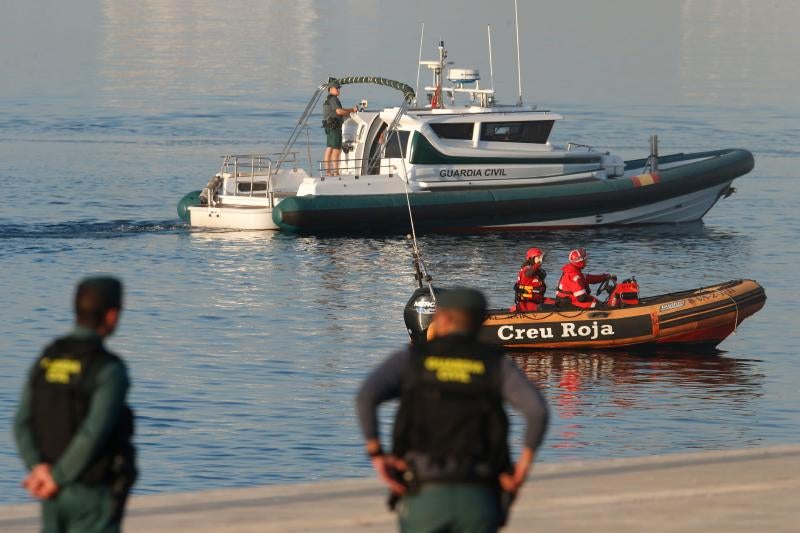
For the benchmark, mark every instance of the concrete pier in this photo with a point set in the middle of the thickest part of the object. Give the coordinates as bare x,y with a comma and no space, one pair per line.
756,489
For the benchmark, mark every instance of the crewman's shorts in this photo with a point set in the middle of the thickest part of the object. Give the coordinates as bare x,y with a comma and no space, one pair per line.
333,138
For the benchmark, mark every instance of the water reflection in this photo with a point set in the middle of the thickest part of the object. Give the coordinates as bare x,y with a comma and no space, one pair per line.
625,386
732,50
572,372
155,49
231,238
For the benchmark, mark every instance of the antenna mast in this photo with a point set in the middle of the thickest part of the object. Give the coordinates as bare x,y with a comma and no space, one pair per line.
419,62
438,74
491,68
519,68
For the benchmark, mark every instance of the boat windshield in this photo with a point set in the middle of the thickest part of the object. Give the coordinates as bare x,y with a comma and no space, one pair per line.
453,130
529,131
395,149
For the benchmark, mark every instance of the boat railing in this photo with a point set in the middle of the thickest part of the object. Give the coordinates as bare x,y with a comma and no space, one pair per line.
302,123
574,146
353,168
251,169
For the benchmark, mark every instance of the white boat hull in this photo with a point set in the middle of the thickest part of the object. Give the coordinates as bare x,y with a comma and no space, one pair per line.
240,218
687,208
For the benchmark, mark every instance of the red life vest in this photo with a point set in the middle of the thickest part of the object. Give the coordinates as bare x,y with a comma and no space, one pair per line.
529,289
574,285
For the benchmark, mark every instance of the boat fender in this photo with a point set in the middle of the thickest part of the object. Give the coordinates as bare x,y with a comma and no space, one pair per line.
191,199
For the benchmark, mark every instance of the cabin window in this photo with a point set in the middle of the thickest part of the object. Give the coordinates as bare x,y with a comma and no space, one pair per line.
453,130
534,131
392,148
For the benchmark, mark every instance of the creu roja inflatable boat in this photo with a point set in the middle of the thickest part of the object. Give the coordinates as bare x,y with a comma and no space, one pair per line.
696,319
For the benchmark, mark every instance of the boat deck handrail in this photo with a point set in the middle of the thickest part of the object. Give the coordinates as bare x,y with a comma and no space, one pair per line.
247,167
353,168
455,112
291,157
574,146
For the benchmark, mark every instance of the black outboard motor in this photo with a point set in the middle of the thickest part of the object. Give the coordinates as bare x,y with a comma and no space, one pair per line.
418,314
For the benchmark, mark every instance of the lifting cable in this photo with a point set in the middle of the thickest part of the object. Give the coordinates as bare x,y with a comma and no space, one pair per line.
419,263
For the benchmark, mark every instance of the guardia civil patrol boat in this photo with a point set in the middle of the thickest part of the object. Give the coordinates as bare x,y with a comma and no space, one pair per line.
462,162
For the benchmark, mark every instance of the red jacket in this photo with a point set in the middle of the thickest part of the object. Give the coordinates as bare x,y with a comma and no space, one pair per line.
574,285
530,289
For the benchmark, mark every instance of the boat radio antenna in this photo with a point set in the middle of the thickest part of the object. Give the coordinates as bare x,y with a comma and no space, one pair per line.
519,68
419,62
491,67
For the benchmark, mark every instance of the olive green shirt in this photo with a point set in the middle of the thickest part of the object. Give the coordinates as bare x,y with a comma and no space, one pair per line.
329,107
108,400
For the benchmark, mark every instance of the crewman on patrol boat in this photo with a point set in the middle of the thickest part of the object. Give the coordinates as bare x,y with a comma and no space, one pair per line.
334,115
530,286
573,287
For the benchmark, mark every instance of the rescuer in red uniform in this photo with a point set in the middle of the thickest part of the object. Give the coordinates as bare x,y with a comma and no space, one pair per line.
573,287
530,287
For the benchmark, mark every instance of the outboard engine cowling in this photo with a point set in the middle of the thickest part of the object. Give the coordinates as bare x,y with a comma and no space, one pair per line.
418,314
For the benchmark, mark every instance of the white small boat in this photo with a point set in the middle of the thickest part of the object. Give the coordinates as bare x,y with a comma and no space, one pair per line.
243,194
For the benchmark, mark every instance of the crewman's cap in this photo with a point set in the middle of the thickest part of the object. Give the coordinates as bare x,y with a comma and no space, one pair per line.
464,299
333,82
106,290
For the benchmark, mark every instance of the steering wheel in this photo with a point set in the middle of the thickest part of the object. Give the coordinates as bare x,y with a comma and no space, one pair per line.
607,286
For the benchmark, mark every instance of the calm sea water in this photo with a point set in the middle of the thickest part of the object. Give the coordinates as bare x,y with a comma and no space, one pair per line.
246,348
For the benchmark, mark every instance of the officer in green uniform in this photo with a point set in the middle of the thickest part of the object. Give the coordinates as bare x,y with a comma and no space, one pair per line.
333,117
73,427
450,463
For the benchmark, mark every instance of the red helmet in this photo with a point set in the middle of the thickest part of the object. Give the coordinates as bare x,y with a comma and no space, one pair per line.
578,257
534,252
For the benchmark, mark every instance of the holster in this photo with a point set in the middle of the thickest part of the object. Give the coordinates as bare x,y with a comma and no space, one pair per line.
122,478
409,482
504,502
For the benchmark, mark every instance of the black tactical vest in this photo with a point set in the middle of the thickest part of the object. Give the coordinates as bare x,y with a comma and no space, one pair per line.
62,385
451,425
330,120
